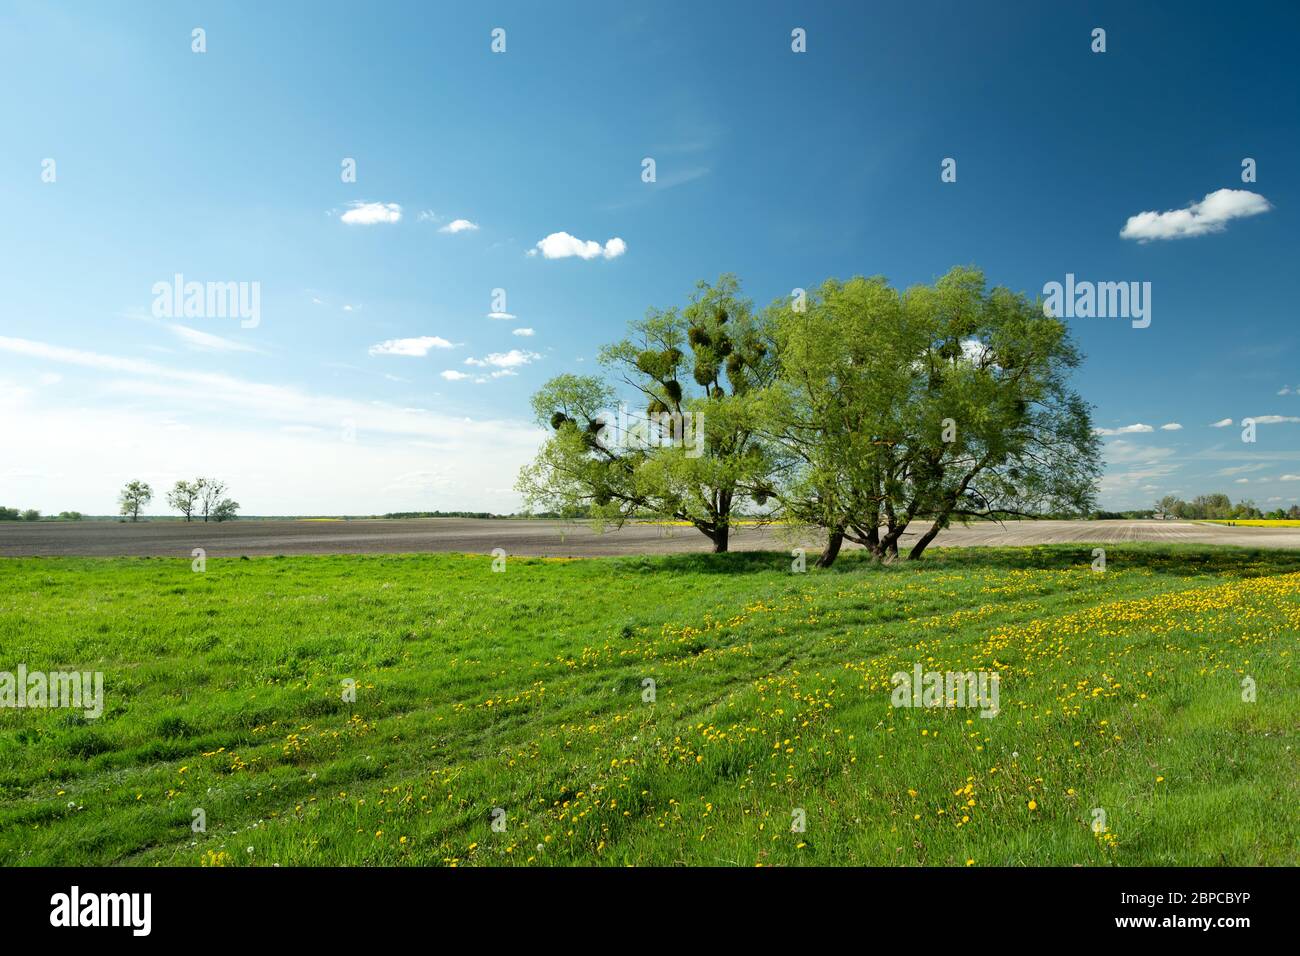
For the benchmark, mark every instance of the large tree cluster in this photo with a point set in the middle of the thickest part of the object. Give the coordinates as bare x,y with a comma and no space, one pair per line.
856,408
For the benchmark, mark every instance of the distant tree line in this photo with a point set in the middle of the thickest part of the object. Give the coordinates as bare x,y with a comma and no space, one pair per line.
1219,507
32,514
442,514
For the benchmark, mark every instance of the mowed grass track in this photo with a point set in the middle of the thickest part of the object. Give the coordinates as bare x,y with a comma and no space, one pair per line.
523,690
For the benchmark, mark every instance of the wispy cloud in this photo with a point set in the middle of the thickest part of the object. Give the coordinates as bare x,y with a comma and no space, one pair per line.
522,332
1211,214
413,347
206,341
1221,423
1125,430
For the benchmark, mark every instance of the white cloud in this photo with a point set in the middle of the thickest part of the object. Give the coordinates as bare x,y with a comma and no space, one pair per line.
415,347
1289,478
1240,469
561,245
141,419
1211,214
522,332
1125,430
459,225
1242,481
370,213
206,341
1284,390
1221,423
1274,419
504,316
1171,427
452,375
512,359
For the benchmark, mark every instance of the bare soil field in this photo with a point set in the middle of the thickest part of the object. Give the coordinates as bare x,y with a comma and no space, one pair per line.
548,538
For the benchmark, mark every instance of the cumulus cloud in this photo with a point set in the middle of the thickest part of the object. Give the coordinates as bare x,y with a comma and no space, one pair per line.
512,359
561,245
1171,427
1125,430
523,331
459,225
1211,214
1221,423
452,375
370,213
415,347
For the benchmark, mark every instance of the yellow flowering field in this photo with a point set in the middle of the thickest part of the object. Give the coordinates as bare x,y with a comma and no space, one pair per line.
714,710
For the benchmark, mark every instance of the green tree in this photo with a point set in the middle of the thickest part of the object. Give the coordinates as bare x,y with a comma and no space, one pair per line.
31,514
209,493
133,498
943,403
184,496
225,510
694,453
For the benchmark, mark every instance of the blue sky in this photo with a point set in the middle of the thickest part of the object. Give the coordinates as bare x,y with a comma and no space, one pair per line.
785,168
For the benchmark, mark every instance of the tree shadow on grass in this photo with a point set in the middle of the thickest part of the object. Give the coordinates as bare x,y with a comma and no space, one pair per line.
1174,560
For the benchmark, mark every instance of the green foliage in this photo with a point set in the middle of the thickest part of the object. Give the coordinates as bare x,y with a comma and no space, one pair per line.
860,410
1216,506
133,498
939,403
695,455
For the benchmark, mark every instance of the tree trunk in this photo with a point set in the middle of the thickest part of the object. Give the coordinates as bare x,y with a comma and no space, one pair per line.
923,542
833,542
719,536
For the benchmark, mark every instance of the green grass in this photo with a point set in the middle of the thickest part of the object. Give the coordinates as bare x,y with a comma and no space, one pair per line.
524,690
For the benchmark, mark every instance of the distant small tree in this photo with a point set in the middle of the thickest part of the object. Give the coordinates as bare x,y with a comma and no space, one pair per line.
70,515
183,496
133,498
31,514
224,510
210,492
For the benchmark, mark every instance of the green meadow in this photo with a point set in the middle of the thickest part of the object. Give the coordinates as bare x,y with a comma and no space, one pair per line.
702,709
